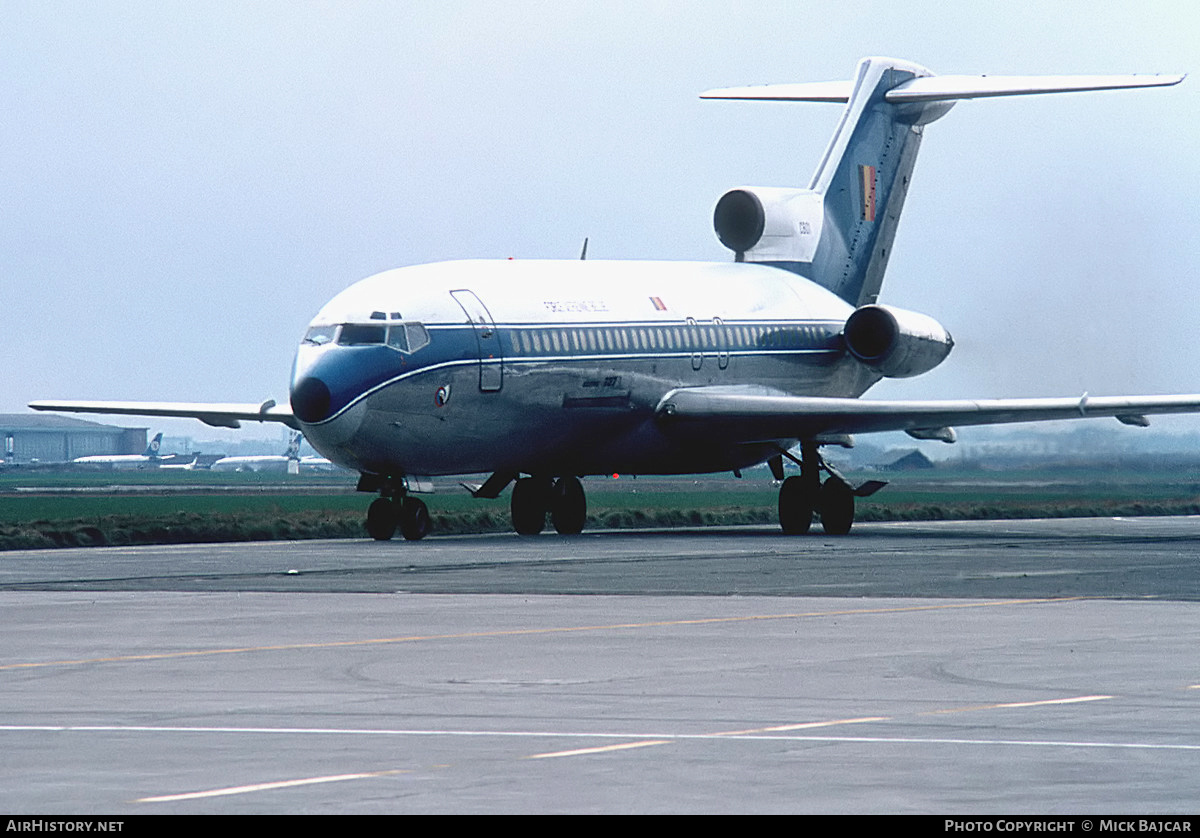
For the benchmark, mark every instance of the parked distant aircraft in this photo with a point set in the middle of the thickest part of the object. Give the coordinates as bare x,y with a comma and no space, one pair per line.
555,370
148,459
316,464
180,463
289,461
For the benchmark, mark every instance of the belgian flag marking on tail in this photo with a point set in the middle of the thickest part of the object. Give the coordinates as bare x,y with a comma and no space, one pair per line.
867,174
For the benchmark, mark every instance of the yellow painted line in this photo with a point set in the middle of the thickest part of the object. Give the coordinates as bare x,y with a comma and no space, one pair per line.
282,784
477,635
803,726
1013,704
625,746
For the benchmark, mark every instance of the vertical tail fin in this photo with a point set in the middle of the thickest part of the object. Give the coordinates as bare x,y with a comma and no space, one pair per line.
864,177
839,231
154,446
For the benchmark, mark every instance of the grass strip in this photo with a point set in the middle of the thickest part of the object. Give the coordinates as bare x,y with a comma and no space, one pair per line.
278,522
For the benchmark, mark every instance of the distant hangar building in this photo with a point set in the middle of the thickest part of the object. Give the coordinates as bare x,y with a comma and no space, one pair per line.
60,439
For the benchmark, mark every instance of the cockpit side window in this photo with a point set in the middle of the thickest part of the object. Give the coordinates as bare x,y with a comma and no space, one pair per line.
398,337
417,336
407,337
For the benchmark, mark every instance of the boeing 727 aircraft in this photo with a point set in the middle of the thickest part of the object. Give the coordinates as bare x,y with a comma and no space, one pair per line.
540,372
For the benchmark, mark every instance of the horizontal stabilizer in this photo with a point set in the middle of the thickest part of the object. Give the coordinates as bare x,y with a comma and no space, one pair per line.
217,415
952,88
813,91
943,88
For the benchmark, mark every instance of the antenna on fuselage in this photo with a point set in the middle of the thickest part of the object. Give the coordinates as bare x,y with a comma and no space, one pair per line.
583,254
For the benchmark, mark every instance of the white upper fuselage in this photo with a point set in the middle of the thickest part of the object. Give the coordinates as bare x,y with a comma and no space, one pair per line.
251,462
117,460
555,366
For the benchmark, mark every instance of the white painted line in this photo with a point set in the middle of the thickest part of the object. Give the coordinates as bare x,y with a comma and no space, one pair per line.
1077,700
600,750
281,784
804,726
541,734
1033,743
1013,704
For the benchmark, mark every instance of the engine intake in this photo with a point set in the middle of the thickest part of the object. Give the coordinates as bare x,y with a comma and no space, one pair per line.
769,224
896,343
739,220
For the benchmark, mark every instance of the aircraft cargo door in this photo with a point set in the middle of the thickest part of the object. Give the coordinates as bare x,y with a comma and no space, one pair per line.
491,369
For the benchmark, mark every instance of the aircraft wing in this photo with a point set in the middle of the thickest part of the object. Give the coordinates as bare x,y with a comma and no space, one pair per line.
756,414
218,415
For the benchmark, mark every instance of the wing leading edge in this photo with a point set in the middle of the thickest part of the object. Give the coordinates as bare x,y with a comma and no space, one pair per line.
755,415
218,415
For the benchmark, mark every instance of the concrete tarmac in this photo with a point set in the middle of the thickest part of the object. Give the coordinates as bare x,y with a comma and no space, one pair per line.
967,667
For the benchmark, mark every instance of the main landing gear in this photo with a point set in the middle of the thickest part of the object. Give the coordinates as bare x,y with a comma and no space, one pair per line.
800,496
563,499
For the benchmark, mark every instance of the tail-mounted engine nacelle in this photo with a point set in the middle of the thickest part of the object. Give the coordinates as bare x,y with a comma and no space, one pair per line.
766,223
896,343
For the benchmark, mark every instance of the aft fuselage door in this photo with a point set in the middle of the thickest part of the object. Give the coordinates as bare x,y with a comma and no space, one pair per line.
491,370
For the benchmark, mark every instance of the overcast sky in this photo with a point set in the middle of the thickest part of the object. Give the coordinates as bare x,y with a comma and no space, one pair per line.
186,183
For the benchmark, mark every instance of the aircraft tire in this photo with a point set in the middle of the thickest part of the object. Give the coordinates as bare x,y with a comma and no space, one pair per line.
568,506
382,517
415,523
796,504
530,498
837,507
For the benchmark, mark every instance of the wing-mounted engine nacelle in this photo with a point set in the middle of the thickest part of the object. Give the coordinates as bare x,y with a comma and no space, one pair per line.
769,224
896,343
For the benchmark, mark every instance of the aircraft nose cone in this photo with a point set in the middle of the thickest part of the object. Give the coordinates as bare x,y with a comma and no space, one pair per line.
311,400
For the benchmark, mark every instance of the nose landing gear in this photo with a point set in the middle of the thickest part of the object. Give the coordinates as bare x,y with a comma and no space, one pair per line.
395,507
408,513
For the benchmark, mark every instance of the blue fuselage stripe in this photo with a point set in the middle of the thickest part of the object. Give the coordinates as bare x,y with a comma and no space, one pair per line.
355,372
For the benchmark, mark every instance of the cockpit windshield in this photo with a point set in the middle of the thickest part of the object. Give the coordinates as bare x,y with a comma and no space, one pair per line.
362,334
405,337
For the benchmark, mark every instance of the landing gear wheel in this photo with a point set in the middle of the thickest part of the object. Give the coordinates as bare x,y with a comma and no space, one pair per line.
796,504
382,516
837,507
530,499
568,506
415,523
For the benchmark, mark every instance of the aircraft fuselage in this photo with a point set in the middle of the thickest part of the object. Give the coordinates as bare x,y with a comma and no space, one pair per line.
557,367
